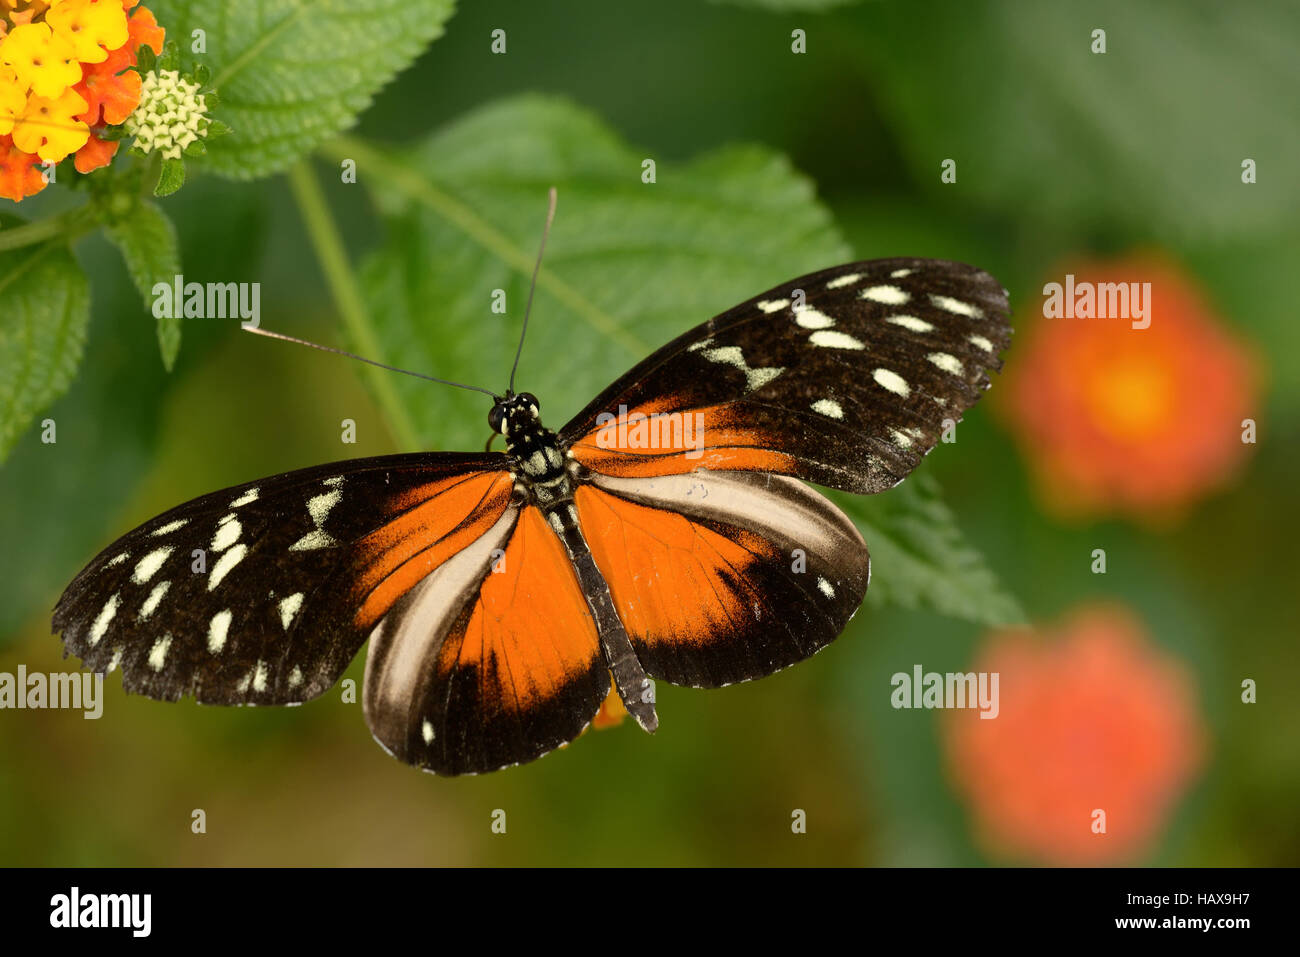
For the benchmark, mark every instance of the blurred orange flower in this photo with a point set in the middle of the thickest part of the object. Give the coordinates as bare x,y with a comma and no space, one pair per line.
612,712
1097,719
1138,421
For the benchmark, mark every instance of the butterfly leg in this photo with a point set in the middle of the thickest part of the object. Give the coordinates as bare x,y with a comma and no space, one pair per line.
634,686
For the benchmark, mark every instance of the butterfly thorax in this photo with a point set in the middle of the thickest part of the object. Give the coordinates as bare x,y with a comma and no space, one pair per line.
539,464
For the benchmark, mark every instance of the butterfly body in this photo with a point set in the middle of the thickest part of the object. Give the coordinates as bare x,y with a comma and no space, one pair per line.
665,533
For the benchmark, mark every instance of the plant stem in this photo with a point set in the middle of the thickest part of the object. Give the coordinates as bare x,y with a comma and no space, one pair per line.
72,221
333,260
418,188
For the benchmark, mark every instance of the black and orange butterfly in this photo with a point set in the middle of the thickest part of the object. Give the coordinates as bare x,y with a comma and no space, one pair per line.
665,533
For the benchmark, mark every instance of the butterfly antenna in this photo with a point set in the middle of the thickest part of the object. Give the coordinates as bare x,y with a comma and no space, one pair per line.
546,231
352,355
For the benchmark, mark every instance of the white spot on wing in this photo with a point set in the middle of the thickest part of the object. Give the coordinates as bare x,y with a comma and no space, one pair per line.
982,343
319,506
830,339
227,533
148,566
313,539
245,499
889,295
117,559
912,323
957,306
811,318
158,653
892,381
288,608
170,527
773,305
839,282
733,356
259,677
825,587
154,598
335,482
217,629
223,566
829,408
295,677
900,439
900,273
946,362
426,732
102,620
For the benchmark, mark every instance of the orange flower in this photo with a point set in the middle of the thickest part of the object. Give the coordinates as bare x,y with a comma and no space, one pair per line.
143,29
95,153
105,87
1097,720
1117,419
19,176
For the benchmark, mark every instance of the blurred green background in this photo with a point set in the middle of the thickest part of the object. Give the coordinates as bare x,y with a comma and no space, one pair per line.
1062,154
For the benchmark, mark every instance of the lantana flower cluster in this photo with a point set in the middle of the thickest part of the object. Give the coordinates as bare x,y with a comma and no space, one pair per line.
65,78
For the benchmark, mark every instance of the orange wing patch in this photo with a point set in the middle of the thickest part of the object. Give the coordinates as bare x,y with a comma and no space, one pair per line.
529,636
429,525
672,580
651,440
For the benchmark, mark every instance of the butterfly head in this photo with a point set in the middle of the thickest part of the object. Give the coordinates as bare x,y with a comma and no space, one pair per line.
514,415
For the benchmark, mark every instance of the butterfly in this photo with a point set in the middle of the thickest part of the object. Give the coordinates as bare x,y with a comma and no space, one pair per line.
665,533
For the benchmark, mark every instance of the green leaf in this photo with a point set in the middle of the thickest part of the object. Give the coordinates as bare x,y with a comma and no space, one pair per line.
80,493
293,72
145,59
1152,133
628,266
46,305
171,178
147,240
920,559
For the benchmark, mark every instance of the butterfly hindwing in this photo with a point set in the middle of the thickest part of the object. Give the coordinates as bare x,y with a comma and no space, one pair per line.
844,377
721,577
262,593
492,660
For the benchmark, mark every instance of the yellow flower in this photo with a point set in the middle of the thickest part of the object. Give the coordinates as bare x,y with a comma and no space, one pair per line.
93,27
49,128
44,62
13,98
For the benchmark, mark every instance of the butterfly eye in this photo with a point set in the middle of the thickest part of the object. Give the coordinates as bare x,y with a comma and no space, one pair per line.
495,418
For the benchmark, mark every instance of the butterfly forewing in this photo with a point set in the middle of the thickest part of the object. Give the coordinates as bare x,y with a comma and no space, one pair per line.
262,593
844,377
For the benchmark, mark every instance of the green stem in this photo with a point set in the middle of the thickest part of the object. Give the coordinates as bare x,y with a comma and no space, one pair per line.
333,260
418,188
74,222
